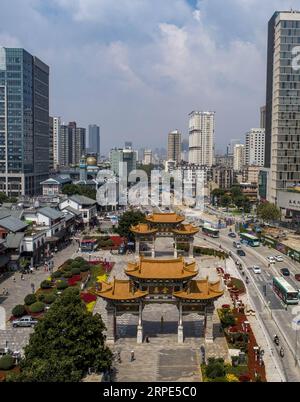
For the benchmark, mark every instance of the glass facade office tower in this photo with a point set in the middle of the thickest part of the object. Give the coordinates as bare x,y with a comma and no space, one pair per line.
24,122
282,149
94,139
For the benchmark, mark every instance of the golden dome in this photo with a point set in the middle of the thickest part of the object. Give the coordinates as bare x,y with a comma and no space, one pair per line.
91,161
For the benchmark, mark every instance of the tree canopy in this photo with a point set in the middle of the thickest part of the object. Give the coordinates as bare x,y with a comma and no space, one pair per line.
128,219
71,189
65,343
268,212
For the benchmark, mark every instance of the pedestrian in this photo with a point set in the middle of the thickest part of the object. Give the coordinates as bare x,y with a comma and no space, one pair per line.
32,287
22,277
14,279
31,269
147,339
132,355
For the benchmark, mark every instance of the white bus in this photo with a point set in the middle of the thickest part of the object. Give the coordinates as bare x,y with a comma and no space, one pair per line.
285,291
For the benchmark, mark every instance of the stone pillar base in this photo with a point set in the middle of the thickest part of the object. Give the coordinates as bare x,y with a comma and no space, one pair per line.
153,254
209,329
139,337
180,334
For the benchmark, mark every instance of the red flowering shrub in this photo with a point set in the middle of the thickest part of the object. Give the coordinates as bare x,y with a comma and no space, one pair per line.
244,378
88,297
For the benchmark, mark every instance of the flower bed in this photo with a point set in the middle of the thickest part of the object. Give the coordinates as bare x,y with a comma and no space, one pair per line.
88,297
74,280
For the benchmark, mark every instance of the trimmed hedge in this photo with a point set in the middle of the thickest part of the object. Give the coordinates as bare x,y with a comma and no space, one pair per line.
76,264
49,298
37,307
41,297
67,275
79,259
18,310
62,285
67,268
46,284
6,362
30,299
75,271
85,268
57,274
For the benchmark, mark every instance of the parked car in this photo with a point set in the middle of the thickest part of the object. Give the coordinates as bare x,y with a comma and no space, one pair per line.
279,258
236,244
25,321
285,271
256,269
241,253
271,259
297,277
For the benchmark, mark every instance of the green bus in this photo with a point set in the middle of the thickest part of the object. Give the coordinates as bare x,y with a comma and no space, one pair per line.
285,291
250,239
211,232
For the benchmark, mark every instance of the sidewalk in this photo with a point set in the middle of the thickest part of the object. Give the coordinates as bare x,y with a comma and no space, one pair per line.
21,288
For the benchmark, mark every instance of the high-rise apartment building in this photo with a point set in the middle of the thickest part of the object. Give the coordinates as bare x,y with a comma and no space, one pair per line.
56,141
24,122
93,143
263,117
128,156
255,147
282,151
238,157
51,155
174,146
148,157
201,138
72,144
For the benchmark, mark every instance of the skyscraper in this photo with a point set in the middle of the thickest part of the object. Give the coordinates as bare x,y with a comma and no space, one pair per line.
282,151
93,143
174,146
72,144
263,117
24,122
117,156
56,141
201,138
255,147
238,157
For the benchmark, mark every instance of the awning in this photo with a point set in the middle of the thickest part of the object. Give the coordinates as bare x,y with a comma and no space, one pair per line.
3,260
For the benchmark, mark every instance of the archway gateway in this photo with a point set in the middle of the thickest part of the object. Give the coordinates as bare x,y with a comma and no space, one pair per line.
151,281
164,225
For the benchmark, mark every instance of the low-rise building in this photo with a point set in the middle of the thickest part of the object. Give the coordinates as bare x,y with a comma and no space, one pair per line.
86,206
54,185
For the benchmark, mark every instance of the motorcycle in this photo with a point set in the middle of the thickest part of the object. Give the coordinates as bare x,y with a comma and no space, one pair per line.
276,340
247,280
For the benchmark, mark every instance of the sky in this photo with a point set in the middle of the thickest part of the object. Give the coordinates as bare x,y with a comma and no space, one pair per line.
137,68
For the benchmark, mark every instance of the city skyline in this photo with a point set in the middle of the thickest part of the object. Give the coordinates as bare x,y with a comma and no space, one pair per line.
140,91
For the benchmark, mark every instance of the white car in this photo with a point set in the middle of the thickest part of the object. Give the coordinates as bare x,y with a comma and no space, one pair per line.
256,269
271,259
279,258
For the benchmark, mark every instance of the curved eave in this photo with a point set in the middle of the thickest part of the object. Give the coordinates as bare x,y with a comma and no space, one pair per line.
144,232
197,296
185,232
185,276
170,222
129,297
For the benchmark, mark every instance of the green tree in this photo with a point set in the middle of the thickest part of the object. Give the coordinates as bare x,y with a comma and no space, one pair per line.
226,200
72,189
128,219
215,368
216,195
65,343
268,212
3,197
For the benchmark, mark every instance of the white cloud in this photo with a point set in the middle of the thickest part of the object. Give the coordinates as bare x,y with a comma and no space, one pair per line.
138,67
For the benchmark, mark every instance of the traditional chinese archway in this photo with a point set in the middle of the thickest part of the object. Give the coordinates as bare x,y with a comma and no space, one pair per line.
160,281
164,225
